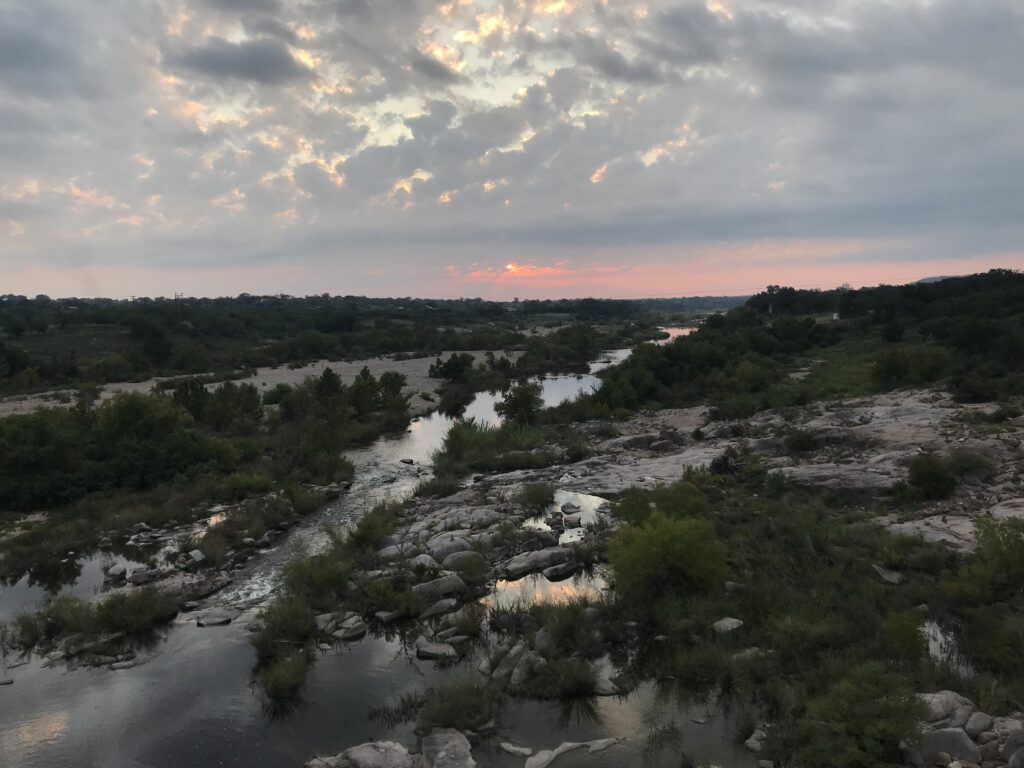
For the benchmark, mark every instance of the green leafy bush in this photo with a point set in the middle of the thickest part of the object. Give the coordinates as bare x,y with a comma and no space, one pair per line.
666,555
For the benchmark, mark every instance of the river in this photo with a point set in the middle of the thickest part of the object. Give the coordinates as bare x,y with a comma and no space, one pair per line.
190,703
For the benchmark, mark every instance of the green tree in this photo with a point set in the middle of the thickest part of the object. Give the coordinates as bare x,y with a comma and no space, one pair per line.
522,403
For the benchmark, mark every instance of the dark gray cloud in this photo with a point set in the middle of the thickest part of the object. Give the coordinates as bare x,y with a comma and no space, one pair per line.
263,61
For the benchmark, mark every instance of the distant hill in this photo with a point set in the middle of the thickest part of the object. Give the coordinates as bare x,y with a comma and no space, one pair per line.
933,279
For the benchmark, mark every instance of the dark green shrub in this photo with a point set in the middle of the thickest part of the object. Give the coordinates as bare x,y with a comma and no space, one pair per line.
932,476
860,721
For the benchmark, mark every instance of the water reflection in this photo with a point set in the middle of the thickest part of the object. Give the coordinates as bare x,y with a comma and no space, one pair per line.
536,589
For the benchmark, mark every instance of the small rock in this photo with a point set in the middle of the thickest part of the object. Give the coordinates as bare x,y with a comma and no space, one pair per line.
572,521
889,577
116,572
726,625
512,749
214,618
6,681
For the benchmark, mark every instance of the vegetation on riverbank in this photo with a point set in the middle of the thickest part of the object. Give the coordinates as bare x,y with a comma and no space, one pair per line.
152,459
70,343
820,634
964,333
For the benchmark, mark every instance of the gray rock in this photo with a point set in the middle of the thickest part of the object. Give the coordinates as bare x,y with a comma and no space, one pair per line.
6,681
438,588
560,572
528,562
662,446
1014,743
1016,759
216,617
116,572
570,509
447,748
508,663
756,741
544,642
424,561
946,708
446,544
440,607
351,629
572,521
195,557
726,625
325,621
528,663
428,651
512,749
465,559
889,577
143,575
381,754
977,723
953,741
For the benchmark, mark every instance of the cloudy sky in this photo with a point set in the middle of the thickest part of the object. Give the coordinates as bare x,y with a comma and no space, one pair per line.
505,148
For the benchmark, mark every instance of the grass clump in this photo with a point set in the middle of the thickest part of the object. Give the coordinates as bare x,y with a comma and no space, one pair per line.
282,679
439,486
465,705
283,626
563,678
536,495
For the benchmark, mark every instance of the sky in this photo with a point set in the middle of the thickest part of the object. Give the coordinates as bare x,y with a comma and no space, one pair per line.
506,148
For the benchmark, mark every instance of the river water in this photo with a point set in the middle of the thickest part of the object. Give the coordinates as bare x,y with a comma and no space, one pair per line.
190,703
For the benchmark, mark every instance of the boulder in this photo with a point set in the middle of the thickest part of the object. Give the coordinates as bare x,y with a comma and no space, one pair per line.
447,544
572,521
440,607
465,559
952,741
528,663
351,629
947,709
977,723
428,651
528,562
1014,743
570,509
893,578
756,741
662,446
116,572
726,625
438,588
380,754
447,748
560,572
425,561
